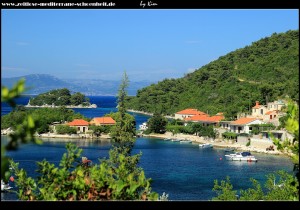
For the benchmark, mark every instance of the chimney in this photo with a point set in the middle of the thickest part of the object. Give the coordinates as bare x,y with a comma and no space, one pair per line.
257,103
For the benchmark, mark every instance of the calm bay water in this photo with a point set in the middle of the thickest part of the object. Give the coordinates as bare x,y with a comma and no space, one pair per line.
183,171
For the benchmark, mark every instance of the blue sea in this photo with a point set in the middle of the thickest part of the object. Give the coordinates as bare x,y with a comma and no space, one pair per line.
183,171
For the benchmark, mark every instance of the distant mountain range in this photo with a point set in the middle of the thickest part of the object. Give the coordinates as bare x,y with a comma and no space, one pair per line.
40,83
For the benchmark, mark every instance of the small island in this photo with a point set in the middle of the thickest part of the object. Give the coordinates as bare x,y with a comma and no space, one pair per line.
61,97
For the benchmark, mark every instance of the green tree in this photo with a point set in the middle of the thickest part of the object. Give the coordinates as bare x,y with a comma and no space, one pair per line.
286,189
24,131
291,124
77,98
157,123
65,129
224,190
117,178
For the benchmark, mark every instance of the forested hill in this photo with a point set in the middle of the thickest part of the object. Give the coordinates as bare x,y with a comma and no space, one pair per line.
263,71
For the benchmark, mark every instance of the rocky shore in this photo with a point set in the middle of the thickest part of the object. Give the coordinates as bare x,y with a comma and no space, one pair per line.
195,139
71,106
218,143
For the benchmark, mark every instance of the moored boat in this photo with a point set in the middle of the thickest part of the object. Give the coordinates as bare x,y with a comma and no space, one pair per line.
229,149
241,156
4,186
185,141
206,145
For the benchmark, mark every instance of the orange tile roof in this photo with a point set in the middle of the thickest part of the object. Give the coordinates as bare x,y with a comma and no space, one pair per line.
103,121
78,122
191,112
205,118
270,112
243,121
257,105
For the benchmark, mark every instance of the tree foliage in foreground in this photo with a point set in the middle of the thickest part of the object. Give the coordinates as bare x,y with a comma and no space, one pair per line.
24,130
72,180
116,178
284,189
291,124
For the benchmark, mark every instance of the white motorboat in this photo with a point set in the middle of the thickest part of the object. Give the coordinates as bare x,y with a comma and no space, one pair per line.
185,141
241,156
167,139
175,140
206,145
4,186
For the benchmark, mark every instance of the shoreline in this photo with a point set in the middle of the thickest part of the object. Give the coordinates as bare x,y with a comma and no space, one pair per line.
69,106
218,143
147,113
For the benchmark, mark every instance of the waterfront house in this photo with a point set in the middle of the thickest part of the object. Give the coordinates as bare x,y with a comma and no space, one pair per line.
270,113
258,110
275,105
243,125
102,121
205,120
186,113
81,125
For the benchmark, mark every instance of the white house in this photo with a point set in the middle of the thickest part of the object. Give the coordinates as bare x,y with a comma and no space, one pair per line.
258,110
243,125
186,113
276,105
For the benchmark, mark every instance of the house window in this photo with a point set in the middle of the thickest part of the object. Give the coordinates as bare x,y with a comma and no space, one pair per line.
83,129
270,117
78,128
239,129
261,111
250,128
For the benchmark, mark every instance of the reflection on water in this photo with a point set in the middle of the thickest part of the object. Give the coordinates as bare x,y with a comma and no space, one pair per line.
183,171
79,142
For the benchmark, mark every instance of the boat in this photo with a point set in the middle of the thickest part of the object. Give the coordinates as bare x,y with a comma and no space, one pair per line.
206,145
229,149
167,139
185,141
175,140
241,156
4,186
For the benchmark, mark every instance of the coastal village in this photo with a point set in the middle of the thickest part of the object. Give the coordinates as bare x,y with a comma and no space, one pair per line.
268,114
243,126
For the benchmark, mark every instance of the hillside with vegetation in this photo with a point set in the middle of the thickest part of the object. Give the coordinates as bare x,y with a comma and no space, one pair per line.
264,71
60,97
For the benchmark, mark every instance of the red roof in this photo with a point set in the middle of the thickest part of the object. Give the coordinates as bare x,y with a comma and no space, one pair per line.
257,105
270,112
103,121
191,112
205,118
78,122
243,121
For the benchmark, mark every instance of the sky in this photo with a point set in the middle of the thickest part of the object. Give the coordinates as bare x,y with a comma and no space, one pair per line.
148,44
